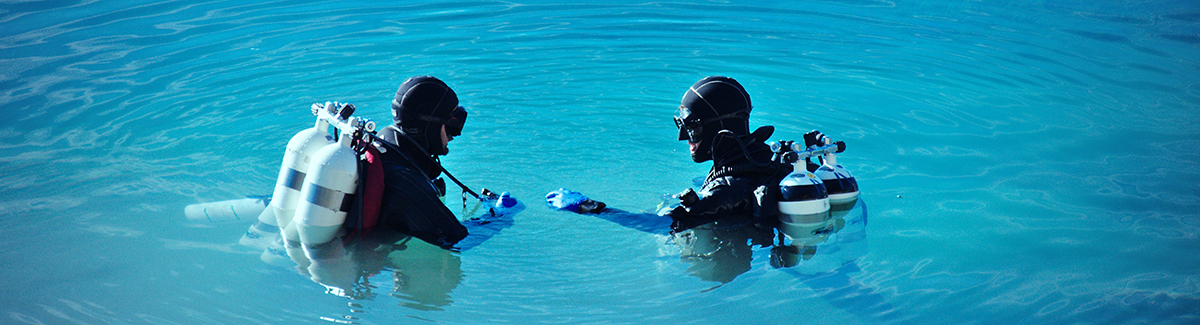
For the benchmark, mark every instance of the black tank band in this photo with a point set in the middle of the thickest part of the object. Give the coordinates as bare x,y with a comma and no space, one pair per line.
841,185
294,179
328,198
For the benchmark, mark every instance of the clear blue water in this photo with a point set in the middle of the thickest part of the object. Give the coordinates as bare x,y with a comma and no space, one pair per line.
1029,162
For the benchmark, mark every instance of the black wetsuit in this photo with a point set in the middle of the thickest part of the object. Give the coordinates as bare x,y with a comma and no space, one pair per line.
717,227
411,202
741,189
742,182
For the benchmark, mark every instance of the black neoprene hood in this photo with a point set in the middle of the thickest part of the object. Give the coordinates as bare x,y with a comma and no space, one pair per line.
421,106
715,96
422,95
710,105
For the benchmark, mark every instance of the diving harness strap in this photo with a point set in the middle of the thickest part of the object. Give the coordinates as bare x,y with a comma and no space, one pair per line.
393,147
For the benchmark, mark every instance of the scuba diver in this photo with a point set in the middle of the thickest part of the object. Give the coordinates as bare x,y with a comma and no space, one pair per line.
360,182
399,199
351,203
741,202
735,204
427,117
714,119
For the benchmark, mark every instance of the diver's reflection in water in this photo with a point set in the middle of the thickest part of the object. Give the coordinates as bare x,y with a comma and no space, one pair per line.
422,274
721,250
820,243
824,254
822,250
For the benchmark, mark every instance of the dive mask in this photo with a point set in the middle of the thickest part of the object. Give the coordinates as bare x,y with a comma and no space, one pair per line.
454,124
691,129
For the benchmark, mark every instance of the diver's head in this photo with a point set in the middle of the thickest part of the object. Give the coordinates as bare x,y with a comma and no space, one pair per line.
426,109
712,104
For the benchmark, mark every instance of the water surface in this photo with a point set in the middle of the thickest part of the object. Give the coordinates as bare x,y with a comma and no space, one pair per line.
1030,162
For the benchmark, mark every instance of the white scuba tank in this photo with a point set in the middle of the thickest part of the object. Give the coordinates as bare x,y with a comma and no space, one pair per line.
228,210
803,207
274,254
332,180
296,160
842,187
261,233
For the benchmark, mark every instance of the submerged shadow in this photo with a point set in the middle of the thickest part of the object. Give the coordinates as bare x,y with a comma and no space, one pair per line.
356,264
824,252
820,250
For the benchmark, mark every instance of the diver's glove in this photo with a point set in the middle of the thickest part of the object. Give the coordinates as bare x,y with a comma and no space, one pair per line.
506,205
688,197
502,204
506,201
568,200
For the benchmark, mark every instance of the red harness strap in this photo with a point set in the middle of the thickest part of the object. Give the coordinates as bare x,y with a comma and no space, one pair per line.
372,195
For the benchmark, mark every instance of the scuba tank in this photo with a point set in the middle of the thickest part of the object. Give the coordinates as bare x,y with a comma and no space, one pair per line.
803,199
804,207
228,210
328,191
296,160
259,235
800,192
843,189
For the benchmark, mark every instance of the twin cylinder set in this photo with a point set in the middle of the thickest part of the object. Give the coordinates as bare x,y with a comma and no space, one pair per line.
317,182
807,198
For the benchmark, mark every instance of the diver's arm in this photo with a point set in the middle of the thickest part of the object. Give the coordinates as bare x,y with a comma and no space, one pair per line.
567,200
647,222
718,197
498,215
482,229
411,205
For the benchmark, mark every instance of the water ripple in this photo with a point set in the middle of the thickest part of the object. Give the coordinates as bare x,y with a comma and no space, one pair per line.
1008,146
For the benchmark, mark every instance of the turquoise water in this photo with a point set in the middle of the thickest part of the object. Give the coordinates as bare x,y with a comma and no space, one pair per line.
1032,162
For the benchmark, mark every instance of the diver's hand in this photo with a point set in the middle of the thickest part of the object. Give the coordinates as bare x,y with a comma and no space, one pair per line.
568,200
564,199
506,205
506,201
503,204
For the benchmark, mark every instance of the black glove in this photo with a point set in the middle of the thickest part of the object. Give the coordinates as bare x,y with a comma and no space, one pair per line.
688,197
591,206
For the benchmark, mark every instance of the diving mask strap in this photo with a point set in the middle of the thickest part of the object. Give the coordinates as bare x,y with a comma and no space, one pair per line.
426,117
706,121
